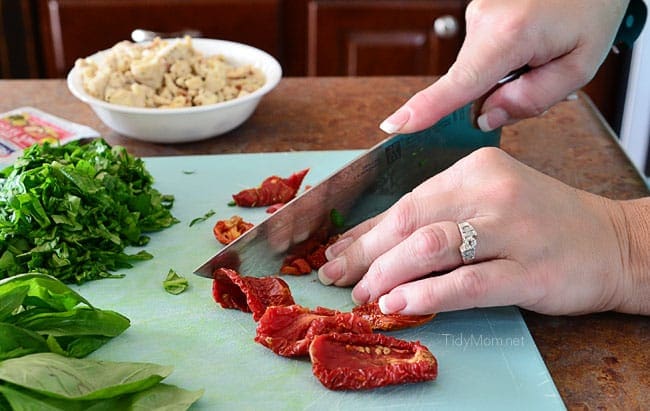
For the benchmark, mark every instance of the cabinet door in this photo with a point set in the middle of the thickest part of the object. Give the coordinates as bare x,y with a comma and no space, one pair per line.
77,28
361,38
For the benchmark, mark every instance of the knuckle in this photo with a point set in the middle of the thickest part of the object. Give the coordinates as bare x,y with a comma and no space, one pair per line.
378,273
427,244
471,284
581,71
402,221
463,74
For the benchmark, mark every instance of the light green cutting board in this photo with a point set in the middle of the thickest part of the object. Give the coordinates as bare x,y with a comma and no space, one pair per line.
487,358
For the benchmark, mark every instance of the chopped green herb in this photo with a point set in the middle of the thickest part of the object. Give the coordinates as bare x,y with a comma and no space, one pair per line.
189,171
174,283
71,210
202,219
337,218
232,203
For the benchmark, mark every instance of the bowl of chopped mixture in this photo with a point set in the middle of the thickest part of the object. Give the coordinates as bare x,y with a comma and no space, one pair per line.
174,90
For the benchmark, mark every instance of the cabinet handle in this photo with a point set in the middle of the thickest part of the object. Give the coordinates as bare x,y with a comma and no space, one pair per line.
445,26
139,35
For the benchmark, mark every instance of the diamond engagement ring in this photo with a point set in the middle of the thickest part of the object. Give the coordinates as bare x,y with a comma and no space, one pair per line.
468,246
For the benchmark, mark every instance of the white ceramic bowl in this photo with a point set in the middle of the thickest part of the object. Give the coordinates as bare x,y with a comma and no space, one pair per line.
180,125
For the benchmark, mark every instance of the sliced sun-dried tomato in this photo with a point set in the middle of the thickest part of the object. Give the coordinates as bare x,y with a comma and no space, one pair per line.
309,253
275,207
289,330
273,190
249,294
380,321
226,231
345,361
295,266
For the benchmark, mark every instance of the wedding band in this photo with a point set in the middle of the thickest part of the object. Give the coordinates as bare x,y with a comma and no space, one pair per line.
468,246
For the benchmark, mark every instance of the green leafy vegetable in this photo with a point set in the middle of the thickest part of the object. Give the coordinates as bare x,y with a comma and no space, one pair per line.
71,210
337,218
174,283
159,397
52,382
39,313
232,203
202,219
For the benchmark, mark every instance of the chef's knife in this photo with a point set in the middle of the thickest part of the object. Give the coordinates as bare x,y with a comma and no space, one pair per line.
361,189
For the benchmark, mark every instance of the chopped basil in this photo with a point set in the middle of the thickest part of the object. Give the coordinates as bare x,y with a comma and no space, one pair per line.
203,218
71,210
174,283
337,218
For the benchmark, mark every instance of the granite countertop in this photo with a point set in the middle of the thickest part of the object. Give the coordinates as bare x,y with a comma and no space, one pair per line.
598,361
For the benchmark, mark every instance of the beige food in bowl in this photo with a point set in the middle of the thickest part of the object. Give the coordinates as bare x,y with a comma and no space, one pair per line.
165,74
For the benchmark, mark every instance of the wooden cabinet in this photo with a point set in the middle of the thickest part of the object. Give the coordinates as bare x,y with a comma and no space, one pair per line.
361,38
77,28
43,38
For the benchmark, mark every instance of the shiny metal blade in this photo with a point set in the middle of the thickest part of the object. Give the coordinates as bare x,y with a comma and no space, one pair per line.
363,188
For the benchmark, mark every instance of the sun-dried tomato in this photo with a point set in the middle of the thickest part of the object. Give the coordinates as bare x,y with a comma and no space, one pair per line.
273,190
311,251
275,207
249,294
289,330
226,231
380,321
345,361
295,266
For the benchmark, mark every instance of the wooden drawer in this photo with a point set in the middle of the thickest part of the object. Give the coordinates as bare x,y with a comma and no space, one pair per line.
77,28
361,38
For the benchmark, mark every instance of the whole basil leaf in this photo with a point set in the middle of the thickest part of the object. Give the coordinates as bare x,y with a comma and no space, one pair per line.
12,300
46,315
159,397
16,342
44,291
82,321
80,379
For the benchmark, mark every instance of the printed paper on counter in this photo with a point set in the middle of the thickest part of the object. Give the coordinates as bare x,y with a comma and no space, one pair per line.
25,126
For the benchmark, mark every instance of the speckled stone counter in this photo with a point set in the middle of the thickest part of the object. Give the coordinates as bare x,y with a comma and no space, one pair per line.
599,361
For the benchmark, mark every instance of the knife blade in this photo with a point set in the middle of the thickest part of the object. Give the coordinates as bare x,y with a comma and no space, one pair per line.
361,189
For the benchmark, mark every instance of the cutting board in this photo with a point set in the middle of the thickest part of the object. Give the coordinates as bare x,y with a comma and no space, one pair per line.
487,358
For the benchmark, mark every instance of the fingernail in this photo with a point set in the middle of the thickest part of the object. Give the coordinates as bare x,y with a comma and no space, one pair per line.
392,302
360,293
572,96
395,122
330,272
492,119
337,248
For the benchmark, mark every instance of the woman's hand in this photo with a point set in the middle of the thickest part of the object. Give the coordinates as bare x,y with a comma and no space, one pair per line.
562,41
542,245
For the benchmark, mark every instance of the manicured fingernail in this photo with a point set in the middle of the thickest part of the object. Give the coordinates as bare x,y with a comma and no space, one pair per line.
493,118
395,122
392,302
337,248
572,96
330,272
360,293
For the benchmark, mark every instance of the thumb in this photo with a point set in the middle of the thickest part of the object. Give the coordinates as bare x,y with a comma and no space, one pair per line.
533,92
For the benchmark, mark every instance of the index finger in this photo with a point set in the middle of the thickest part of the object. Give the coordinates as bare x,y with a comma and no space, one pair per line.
480,65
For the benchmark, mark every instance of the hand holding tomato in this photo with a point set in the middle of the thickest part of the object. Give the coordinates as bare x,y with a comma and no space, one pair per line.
542,245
